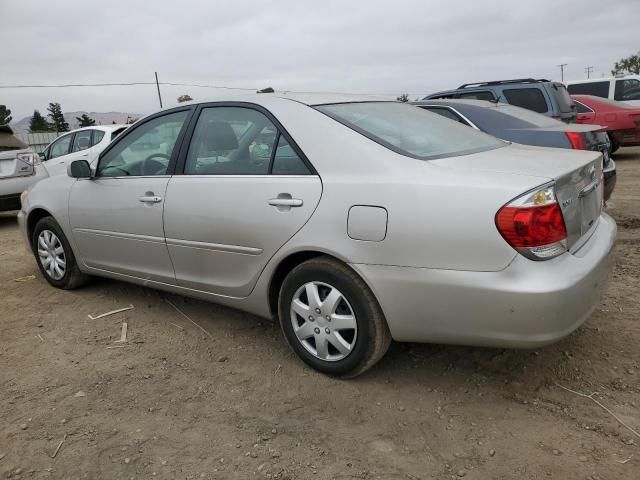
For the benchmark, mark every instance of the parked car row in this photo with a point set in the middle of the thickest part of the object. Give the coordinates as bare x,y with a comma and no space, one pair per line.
351,220
21,167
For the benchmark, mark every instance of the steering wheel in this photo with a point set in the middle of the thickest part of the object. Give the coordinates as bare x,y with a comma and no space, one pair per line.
160,166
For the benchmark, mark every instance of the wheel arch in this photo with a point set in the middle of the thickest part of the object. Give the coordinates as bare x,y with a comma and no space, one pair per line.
285,266
33,218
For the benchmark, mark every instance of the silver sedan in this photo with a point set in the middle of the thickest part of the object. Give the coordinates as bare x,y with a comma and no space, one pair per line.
354,221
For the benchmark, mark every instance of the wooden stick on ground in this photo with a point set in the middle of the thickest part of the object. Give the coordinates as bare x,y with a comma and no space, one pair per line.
112,312
188,318
59,445
590,396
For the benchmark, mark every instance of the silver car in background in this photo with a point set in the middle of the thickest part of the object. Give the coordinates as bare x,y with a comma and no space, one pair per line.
20,167
352,220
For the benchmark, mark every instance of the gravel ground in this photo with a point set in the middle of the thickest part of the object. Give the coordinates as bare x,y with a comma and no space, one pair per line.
175,402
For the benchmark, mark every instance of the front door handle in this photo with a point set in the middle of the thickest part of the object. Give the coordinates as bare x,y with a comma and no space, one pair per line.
285,202
150,199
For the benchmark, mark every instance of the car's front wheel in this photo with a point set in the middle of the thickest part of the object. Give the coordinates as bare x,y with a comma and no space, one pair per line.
54,256
331,319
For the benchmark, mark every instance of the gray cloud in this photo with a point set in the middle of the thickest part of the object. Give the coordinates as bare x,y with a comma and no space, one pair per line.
358,46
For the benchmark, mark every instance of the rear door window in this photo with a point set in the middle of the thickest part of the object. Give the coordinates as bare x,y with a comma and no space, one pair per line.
286,161
446,113
98,135
82,141
480,95
582,108
627,89
529,98
598,89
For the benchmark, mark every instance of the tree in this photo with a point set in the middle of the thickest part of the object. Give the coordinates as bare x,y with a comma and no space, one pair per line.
5,115
403,98
57,121
630,64
38,123
184,98
85,121
266,90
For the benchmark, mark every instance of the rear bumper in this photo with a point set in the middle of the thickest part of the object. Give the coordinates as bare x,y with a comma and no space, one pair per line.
12,188
526,305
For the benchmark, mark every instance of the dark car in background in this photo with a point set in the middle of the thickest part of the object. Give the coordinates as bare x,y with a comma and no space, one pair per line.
542,96
523,126
621,120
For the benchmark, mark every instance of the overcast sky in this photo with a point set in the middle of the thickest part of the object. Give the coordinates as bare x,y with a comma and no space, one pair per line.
363,46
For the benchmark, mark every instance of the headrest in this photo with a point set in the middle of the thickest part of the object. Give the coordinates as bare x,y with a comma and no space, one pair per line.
218,136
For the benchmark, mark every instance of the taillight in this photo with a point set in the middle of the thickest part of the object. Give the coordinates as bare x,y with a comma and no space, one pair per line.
577,140
533,224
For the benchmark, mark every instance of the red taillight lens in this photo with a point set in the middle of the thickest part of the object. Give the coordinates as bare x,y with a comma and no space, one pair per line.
533,224
577,140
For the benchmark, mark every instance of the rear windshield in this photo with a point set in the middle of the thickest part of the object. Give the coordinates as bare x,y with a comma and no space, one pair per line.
409,130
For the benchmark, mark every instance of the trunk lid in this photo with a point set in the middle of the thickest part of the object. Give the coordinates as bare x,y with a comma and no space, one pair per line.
576,174
15,163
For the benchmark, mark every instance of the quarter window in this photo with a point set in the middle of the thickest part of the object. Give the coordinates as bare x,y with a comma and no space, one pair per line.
81,141
147,150
529,98
231,141
597,89
628,89
483,95
581,108
286,161
60,147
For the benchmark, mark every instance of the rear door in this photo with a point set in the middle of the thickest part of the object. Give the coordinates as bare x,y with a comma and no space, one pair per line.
116,216
246,189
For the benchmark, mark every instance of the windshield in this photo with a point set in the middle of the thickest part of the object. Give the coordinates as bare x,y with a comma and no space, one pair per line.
410,130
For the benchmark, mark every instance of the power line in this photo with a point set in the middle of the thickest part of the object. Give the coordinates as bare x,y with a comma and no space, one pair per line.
588,71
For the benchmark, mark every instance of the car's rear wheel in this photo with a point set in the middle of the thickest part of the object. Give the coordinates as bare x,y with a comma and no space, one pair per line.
54,255
331,319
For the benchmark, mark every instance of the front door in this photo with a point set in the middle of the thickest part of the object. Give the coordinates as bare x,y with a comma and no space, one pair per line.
116,217
245,191
58,154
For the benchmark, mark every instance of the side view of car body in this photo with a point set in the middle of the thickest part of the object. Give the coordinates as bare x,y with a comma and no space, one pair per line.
20,167
352,220
621,120
83,143
520,125
622,88
540,95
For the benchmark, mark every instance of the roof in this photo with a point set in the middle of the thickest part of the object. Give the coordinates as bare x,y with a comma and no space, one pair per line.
458,101
604,79
306,98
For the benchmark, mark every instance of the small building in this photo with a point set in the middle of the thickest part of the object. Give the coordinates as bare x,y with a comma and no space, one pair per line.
38,141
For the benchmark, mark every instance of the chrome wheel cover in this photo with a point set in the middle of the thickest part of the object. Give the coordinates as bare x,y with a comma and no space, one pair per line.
323,321
51,254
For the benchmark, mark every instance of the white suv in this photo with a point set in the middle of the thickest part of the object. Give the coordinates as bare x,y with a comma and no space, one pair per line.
81,144
622,88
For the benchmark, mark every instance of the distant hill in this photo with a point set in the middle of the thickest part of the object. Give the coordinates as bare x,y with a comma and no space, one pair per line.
101,118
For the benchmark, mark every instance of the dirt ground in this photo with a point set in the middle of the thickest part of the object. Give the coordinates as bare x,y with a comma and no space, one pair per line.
174,402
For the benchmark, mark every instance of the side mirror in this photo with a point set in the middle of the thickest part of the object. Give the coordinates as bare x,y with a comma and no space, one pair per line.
43,156
79,169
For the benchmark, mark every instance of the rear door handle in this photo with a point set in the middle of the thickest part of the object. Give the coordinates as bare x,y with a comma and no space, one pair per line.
150,199
285,202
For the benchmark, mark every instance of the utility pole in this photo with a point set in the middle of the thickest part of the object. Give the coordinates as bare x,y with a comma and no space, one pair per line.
588,71
562,65
158,87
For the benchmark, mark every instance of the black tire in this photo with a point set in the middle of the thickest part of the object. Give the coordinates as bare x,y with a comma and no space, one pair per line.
371,339
613,145
73,277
